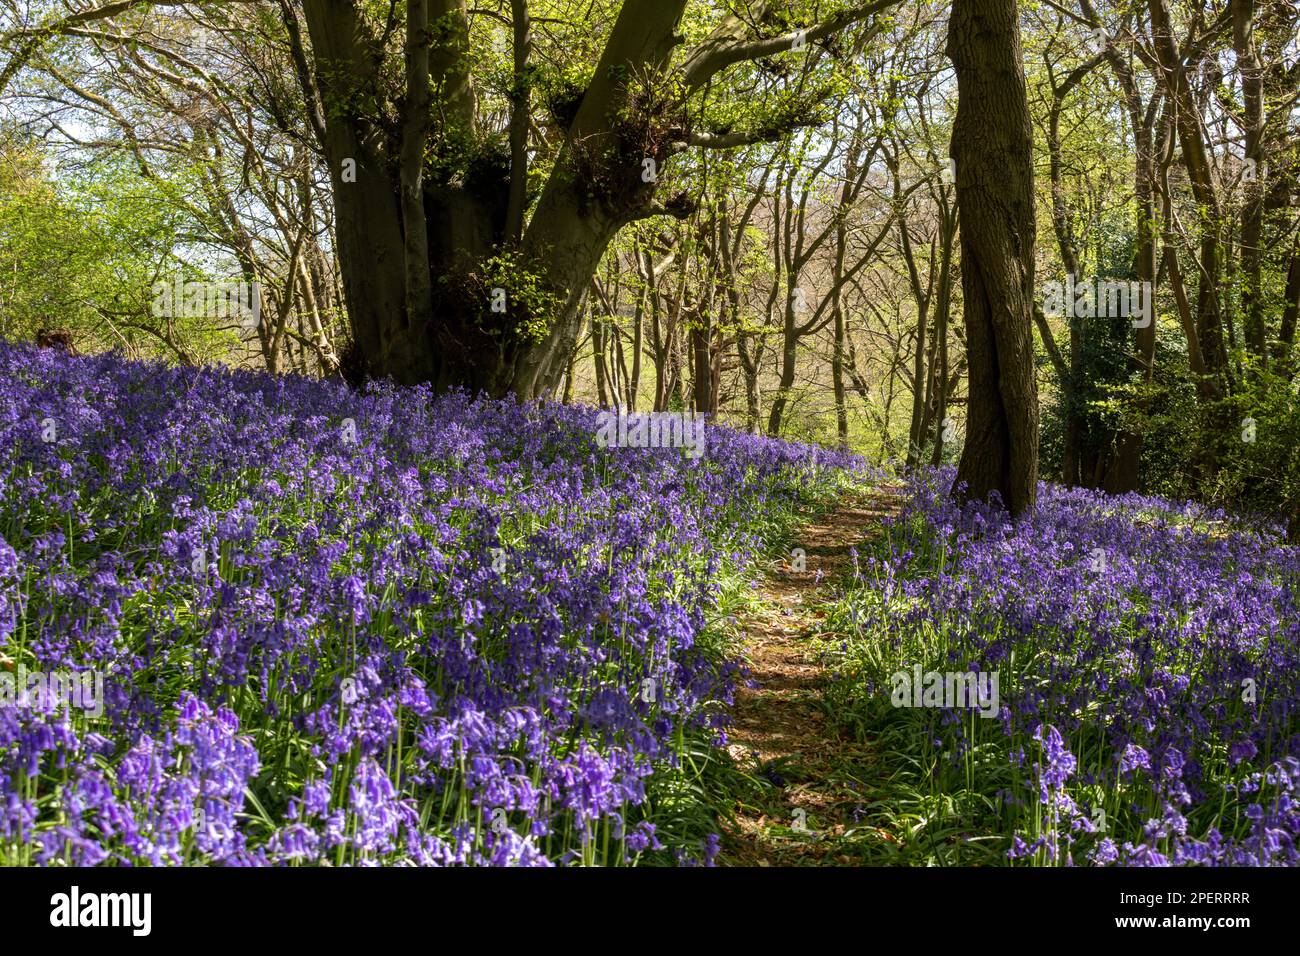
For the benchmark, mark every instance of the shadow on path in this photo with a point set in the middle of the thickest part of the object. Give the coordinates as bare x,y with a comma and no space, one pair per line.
781,734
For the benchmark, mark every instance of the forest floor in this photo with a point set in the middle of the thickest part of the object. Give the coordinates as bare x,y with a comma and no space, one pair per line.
811,783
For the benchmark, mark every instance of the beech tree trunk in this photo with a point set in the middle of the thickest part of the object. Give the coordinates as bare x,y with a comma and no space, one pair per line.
992,148
452,274
423,258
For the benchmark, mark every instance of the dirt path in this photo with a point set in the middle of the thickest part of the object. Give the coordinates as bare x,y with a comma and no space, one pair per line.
803,799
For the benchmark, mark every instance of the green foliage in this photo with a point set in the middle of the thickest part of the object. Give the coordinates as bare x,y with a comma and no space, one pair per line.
1241,451
1260,465
507,284
42,246
80,249
1104,375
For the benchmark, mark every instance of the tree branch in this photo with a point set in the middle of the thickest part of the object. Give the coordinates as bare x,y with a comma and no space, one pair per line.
728,44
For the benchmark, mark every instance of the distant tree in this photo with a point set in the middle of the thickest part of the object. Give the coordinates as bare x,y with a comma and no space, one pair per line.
79,251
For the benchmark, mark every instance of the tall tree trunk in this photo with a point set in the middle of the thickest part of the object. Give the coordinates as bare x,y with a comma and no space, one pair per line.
598,322
1252,213
1209,318
1290,311
921,295
1125,474
840,334
568,233
789,357
702,381
633,376
992,144
941,312
750,366
1075,427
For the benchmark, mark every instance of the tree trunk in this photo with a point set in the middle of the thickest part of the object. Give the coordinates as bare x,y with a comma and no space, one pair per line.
702,380
1075,427
397,228
598,354
1290,311
1209,319
1126,475
789,357
840,334
750,365
993,149
921,295
1252,214
941,312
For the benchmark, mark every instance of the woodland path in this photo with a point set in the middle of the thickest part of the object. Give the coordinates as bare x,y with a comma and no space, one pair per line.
808,777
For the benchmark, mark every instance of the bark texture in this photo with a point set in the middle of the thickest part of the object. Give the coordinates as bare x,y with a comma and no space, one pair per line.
992,147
